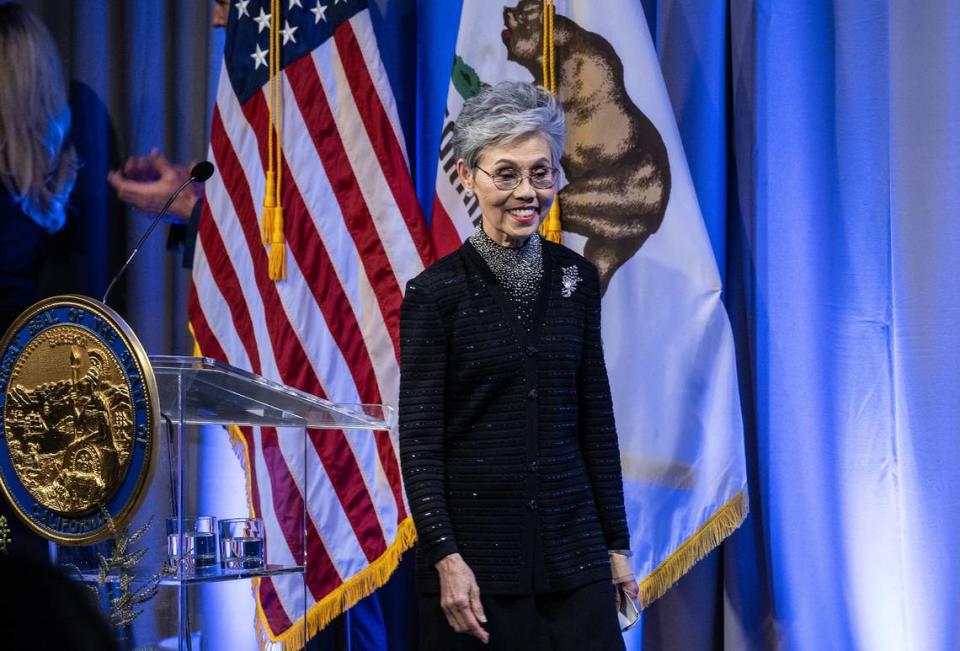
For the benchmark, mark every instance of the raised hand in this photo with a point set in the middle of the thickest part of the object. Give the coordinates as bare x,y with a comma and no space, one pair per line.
147,181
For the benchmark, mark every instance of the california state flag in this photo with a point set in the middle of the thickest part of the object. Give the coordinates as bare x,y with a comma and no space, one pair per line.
627,203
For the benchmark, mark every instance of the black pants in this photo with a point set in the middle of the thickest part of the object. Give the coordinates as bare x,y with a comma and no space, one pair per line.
583,619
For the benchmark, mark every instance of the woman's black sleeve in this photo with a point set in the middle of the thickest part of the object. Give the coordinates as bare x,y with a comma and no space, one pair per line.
598,433
423,368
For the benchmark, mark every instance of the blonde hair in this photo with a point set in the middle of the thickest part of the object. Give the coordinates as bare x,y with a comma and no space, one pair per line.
37,166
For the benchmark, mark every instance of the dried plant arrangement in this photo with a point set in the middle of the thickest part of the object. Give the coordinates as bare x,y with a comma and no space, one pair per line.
118,571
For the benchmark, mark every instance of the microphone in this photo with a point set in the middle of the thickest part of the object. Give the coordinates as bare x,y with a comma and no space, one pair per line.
200,173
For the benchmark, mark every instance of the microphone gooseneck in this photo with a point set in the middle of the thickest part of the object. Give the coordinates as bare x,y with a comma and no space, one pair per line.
198,174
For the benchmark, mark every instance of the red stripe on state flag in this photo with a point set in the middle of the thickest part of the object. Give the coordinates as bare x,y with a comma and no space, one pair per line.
382,137
346,478
446,239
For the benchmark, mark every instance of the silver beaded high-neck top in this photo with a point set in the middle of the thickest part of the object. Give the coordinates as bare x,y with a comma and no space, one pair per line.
519,270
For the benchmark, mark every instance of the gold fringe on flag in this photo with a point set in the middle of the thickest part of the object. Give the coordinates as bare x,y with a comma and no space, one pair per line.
720,525
551,228
272,202
361,585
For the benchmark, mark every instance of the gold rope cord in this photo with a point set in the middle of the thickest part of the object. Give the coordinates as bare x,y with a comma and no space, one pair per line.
276,263
551,228
270,193
272,227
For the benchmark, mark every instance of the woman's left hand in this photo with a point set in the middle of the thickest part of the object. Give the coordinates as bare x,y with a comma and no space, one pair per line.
623,577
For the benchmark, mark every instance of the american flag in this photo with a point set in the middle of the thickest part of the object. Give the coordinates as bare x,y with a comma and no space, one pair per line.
354,235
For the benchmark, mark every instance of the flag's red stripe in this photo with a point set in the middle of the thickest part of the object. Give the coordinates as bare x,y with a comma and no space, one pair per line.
368,390
332,448
338,459
318,270
383,138
446,239
247,432
292,361
307,246
272,608
236,186
391,468
322,128
289,510
225,277
210,347
270,603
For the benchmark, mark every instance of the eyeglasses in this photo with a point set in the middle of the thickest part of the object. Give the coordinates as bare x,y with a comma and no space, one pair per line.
541,178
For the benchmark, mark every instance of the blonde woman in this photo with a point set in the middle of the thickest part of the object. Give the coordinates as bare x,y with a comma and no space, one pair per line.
38,166
37,171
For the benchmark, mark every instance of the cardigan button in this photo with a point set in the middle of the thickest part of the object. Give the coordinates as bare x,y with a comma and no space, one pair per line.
532,394
531,351
534,466
532,505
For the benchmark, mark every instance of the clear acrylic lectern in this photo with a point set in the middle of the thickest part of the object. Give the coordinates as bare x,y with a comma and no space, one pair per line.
194,392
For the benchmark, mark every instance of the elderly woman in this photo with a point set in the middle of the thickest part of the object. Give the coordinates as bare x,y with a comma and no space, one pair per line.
507,438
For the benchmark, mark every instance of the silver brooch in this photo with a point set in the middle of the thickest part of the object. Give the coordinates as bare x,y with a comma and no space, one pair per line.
571,278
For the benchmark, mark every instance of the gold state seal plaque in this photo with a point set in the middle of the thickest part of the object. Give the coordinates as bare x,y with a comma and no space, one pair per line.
79,405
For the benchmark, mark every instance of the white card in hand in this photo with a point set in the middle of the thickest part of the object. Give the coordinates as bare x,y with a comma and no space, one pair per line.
629,613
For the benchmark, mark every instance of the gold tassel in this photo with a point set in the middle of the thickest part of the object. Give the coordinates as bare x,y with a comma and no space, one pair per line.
550,228
273,228
278,249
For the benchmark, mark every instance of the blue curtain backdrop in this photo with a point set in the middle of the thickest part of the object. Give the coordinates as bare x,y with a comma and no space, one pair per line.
822,139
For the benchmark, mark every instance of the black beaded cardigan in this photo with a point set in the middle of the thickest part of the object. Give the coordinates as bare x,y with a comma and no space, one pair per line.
508,447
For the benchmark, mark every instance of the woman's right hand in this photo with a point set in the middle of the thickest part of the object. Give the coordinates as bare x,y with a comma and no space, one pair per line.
460,597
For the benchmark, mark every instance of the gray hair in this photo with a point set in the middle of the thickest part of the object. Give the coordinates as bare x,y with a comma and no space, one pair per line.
504,113
38,166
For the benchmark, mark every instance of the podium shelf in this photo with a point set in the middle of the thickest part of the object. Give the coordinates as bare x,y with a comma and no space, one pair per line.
205,575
